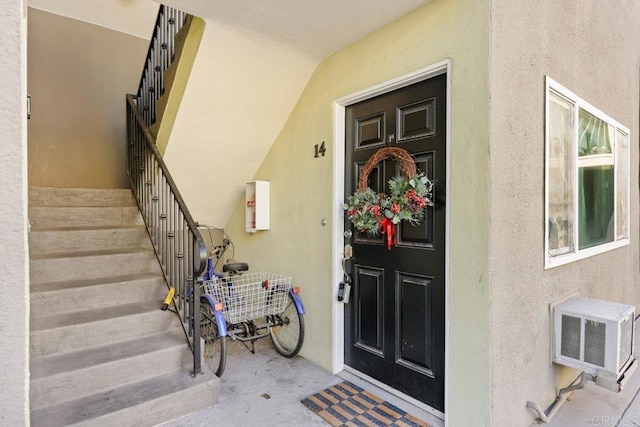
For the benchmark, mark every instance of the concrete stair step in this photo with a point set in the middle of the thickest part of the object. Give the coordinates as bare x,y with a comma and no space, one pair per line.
81,295
68,376
57,239
65,216
51,196
101,350
146,403
75,331
63,266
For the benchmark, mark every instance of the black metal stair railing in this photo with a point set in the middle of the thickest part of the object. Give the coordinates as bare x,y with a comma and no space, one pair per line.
175,236
177,242
159,57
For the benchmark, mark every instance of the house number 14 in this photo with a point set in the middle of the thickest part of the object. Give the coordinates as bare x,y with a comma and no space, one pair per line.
319,150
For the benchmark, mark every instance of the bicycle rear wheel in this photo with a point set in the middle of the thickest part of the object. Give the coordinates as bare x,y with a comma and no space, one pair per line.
215,346
287,332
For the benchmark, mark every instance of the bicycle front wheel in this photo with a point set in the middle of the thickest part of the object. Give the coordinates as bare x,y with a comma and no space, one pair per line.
215,346
287,332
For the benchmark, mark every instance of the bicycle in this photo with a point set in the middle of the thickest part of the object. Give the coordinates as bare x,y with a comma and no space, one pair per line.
246,307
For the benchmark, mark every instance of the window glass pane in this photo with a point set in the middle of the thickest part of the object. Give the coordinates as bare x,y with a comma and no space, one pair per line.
595,206
561,167
594,135
622,165
595,181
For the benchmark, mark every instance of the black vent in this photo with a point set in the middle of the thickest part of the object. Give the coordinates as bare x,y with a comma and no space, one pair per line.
570,338
595,334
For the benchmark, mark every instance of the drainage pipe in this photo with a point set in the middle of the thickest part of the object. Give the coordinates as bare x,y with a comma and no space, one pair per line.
545,416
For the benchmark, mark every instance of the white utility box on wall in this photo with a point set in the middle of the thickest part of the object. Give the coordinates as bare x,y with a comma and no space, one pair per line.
257,206
594,336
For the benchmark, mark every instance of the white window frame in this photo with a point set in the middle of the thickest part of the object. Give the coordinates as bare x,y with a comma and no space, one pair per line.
551,86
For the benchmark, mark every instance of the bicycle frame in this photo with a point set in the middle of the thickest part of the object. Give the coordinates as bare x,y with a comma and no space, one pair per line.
217,311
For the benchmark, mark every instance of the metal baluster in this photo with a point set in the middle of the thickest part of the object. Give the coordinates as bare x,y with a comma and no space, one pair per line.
147,184
197,368
145,91
165,229
174,242
142,147
170,242
145,94
154,83
143,155
169,41
178,254
163,38
137,164
156,213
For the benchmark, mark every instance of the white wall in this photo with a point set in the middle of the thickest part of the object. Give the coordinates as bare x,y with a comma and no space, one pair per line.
14,267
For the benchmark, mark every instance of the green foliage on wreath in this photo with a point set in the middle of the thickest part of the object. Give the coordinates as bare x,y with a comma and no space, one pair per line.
406,202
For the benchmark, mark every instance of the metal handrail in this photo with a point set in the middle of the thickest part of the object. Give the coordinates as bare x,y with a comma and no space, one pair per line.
159,56
178,244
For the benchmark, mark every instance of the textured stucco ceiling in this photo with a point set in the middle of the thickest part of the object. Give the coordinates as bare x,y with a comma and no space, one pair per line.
135,17
315,28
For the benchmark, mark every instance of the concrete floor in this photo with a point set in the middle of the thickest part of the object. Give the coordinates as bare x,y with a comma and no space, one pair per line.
265,389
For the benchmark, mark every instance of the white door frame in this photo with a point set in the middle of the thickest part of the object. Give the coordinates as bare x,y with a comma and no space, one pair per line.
339,106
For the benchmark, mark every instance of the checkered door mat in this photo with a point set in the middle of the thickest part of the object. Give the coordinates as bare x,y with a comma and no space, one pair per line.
346,404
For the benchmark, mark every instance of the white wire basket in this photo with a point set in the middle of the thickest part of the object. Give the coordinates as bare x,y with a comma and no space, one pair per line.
250,296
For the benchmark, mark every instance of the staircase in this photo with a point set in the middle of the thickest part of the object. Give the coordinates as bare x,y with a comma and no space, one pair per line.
102,352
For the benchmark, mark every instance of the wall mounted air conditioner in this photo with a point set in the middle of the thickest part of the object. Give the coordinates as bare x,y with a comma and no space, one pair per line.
596,337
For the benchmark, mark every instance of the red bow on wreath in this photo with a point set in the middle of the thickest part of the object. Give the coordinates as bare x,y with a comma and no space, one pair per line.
389,228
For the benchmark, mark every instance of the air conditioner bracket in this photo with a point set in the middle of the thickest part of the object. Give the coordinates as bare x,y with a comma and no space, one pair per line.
609,381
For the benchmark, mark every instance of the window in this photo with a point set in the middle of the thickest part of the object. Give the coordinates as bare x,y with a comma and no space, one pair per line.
586,179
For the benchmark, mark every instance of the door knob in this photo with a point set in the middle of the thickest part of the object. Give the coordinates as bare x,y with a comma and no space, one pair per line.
348,234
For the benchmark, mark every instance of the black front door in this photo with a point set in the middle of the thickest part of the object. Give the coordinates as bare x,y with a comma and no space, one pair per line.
394,323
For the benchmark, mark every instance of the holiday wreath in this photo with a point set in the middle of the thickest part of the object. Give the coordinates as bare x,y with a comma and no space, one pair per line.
409,194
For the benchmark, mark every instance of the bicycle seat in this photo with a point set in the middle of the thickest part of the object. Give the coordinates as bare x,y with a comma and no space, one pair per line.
234,267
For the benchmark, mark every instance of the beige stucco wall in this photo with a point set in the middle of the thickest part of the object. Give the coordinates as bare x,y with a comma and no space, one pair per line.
302,187
592,49
78,75
14,268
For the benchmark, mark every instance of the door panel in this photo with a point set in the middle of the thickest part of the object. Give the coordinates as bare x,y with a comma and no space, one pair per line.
417,120
370,131
369,285
394,324
413,322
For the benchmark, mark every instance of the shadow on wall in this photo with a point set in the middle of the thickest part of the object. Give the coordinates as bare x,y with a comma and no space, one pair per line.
78,75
